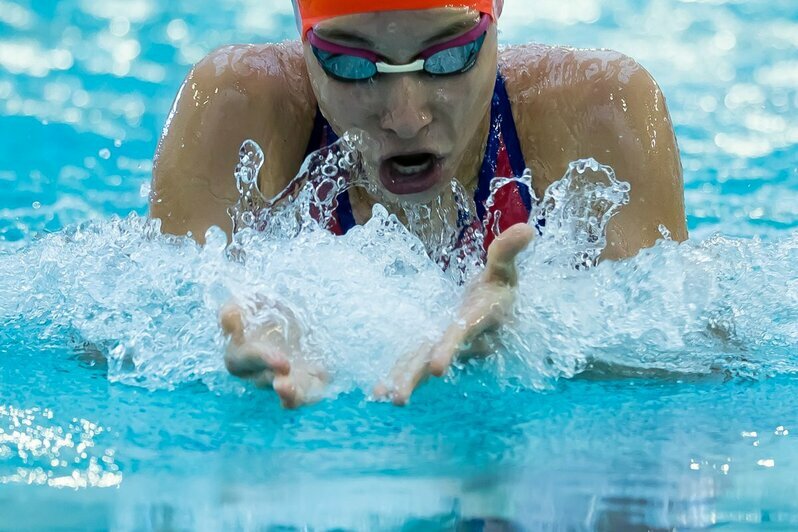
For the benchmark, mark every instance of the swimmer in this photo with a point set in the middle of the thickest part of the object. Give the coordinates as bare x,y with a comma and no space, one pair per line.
429,85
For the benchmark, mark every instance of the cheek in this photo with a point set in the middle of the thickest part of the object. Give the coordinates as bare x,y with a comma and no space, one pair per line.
344,105
464,101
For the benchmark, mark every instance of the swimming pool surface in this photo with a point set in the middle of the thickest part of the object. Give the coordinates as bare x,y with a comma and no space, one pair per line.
700,431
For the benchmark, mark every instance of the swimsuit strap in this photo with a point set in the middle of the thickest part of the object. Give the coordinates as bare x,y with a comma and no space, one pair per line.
503,158
321,137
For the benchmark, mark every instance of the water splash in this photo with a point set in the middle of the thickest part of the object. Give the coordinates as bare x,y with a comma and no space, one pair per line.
149,302
447,226
577,211
310,199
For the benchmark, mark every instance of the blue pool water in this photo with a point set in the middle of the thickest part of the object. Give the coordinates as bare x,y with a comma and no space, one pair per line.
698,431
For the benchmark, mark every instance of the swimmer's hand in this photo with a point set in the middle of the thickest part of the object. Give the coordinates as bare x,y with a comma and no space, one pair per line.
270,356
487,303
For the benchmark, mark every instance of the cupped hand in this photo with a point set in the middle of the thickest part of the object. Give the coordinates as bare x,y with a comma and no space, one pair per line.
270,356
485,307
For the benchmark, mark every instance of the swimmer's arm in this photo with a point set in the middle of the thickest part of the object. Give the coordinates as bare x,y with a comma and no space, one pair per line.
487,303
575,104
631,130
234,94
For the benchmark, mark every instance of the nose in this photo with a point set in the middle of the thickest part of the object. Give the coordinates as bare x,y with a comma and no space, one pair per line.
406,110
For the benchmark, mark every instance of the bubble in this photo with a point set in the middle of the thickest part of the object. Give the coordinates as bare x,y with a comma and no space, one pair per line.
329,170
248,219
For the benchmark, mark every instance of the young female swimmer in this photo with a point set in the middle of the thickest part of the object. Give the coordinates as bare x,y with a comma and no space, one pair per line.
426,81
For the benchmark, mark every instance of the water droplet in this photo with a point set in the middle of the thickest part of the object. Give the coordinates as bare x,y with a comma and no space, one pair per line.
145,189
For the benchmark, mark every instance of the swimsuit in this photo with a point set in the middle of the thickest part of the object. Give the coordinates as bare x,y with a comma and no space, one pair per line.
503,158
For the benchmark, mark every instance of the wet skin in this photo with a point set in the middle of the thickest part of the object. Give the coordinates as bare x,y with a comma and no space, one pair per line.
568,104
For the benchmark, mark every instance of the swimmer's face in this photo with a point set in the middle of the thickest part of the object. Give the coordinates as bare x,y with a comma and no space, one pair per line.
418,127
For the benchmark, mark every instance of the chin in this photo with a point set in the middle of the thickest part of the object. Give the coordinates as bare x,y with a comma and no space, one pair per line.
418,198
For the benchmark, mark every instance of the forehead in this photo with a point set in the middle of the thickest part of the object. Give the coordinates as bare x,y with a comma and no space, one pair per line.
382,28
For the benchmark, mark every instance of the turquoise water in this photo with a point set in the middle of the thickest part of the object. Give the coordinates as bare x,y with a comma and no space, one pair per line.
698,432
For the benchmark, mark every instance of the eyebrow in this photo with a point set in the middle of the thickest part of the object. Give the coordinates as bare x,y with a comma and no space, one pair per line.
452,30
357,39
341,35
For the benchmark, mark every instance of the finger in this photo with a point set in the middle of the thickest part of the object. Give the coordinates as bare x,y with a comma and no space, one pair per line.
402,393
446,350
278,362
305,385
278,366
231,318
503,252
264,380
243,361
381,392
408,374
288,392
252,358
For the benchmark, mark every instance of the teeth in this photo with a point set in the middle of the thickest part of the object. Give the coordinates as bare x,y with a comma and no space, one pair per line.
411,170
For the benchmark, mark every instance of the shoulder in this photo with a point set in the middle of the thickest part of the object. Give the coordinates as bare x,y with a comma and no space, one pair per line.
538,74
264,72
571,103
238,92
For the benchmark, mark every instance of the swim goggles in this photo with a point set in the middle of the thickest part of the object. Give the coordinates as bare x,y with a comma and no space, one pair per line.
452,57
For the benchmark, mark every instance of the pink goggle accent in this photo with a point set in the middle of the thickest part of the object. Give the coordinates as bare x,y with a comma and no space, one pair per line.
415,66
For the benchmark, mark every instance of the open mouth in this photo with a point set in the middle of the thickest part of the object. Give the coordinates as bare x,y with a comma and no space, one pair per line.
412,164
410,173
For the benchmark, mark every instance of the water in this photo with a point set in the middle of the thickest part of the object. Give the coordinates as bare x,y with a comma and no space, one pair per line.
684,418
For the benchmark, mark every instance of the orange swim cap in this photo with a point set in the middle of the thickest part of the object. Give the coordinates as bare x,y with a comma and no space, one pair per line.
311,12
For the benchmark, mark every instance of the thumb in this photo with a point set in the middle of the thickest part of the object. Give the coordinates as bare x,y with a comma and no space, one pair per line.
232,320
502,253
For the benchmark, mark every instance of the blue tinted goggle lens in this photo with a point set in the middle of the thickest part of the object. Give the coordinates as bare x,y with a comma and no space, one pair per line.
345,67
455,60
